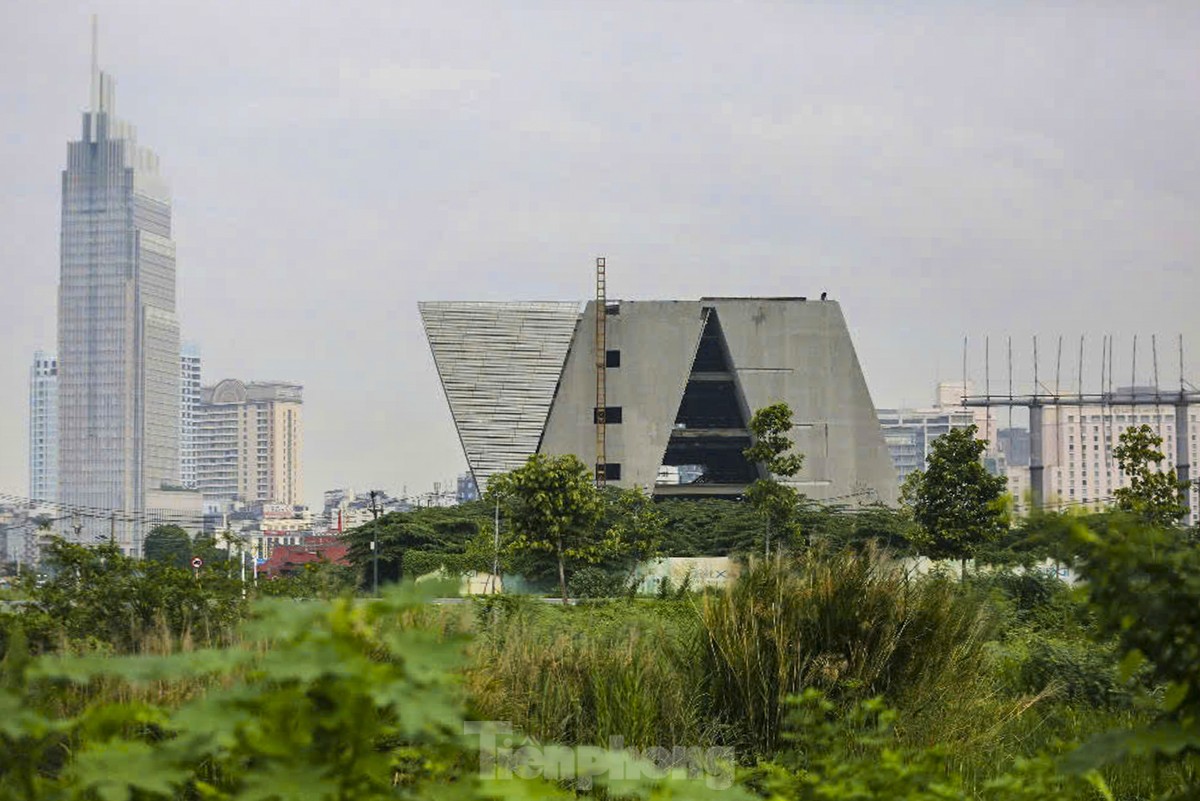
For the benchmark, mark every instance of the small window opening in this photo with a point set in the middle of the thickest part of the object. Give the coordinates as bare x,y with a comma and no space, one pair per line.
610,415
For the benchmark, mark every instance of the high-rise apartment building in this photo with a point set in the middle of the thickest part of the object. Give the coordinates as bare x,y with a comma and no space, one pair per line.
249,439
1078,444
910,433
189,403
43,428
118,336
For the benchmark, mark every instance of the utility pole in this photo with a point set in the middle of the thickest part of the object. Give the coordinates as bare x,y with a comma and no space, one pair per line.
496,548
374,546
112,528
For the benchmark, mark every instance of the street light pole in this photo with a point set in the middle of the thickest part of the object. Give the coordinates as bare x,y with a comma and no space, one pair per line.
374,547
496,548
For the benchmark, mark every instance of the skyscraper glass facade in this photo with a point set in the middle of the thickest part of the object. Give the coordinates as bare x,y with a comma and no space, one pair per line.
119,355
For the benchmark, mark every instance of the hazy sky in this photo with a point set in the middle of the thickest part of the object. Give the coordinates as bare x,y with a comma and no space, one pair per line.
942,169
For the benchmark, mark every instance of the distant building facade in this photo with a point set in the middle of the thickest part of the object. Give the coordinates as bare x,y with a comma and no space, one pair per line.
1078,444
681,381
249,443
468,490
178,506
910,433
1014,444
118,336
189,407
43,428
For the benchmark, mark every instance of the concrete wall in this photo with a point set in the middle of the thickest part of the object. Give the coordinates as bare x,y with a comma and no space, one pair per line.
782,350
800,352
658,341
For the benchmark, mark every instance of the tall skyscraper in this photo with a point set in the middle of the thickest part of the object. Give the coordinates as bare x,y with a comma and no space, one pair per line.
118,336
43,427
189,403
249,439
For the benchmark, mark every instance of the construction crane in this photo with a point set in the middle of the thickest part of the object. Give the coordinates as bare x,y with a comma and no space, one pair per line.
601,366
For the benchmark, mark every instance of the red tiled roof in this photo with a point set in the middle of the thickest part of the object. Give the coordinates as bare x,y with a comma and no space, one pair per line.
286,558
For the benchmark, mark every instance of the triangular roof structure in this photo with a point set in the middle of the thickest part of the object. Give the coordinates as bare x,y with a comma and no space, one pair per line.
499,365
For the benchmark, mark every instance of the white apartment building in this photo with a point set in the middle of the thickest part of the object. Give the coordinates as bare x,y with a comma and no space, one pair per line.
43,427
1079,443
249,441
189,403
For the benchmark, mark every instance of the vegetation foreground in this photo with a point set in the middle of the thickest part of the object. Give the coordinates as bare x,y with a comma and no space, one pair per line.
823,672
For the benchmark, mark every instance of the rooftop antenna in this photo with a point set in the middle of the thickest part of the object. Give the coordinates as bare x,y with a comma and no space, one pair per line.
1105,349
1058,369
1079,374
1035,366
1010,383
1154,355
1181,382
95,88
964,383
1133,372
1010,392
987,368
1110,364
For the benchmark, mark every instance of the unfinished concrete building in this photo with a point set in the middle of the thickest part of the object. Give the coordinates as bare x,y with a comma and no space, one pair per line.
657,394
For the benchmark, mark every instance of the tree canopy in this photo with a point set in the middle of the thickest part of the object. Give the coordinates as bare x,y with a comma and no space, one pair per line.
552,506
168,544
1154,495
774,501
957,505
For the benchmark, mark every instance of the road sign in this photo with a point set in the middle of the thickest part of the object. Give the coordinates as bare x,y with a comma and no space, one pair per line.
197,562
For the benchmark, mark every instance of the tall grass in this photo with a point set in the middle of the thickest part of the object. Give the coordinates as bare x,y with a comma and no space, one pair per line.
585,675
851,623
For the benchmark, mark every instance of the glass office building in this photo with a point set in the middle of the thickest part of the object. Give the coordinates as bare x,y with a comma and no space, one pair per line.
118,335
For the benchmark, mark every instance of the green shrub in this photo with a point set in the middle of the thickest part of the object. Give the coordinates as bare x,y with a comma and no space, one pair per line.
593,581
341,700
582,674
852,624
1074,671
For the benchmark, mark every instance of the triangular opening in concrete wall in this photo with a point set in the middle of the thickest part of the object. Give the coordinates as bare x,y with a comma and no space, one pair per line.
704,453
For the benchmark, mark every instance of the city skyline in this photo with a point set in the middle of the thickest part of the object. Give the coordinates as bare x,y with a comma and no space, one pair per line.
1044,161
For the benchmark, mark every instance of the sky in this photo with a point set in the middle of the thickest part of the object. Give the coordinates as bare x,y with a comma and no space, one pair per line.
983,170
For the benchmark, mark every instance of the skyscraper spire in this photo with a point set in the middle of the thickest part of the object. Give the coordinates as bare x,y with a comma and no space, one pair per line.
94,104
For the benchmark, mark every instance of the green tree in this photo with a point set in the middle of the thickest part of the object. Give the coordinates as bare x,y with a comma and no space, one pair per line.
957,505
552,506
1155,495
774,501
97,594
168,544
394,534
637,535
1143,586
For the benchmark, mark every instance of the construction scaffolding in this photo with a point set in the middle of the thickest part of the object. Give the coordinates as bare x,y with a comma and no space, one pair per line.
1043,397
601,369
